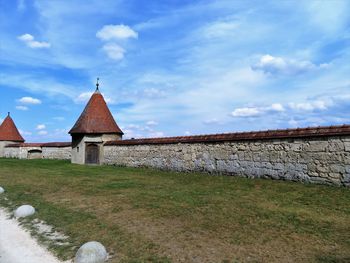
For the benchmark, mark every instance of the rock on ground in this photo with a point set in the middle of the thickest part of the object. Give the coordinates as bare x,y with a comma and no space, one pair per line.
91,252
2,190
24,210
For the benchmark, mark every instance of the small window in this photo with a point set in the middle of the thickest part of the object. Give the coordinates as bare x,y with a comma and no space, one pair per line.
77,149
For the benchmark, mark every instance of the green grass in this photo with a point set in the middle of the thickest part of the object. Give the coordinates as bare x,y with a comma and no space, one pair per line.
145,215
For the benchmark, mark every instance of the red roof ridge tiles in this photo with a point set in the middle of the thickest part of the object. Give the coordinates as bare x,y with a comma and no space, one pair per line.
9,131
46,144
96,118
56,144
239,136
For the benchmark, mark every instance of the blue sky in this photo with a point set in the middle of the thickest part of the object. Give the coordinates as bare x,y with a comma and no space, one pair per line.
175,67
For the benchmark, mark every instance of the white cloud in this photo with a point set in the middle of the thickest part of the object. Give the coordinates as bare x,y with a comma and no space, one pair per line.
114,51
112,33
23,108
156,134
153,93
257,111
140,131
273,65
29,100
41,127
42,132
309,106
85,96
129,133
277,107
22,132
220,29
133,126
152,123
37,44
28,39
31,83
246,112
293,123
211,121
109,32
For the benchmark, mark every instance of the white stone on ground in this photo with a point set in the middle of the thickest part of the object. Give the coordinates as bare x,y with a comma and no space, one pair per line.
2,190
91,252
24,210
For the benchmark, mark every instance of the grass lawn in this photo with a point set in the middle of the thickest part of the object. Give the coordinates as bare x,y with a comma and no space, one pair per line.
145,215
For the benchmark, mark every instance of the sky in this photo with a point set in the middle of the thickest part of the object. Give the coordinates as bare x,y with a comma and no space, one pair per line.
174,68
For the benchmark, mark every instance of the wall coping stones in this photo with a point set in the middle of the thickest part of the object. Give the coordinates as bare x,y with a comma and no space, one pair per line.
324,131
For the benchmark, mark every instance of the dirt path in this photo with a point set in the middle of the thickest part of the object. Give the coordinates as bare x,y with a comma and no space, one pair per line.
17,246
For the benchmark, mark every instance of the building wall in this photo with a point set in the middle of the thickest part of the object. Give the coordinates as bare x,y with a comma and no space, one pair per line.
78,147
2,147
79,143
12,152
316,160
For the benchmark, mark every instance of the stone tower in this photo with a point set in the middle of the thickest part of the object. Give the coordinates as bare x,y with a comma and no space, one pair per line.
8,134
94,127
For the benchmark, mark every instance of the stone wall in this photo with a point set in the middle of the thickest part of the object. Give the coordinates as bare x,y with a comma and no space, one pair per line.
323,159
315,155
61,153
52,151
2,147
12,152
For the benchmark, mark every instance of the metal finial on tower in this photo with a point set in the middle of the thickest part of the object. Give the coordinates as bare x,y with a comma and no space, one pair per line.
8,113
97,84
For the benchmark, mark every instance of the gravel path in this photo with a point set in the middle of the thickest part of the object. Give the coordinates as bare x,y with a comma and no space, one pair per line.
17,246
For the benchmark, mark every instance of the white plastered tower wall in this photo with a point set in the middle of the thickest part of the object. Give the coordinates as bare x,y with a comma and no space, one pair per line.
79,143
3,144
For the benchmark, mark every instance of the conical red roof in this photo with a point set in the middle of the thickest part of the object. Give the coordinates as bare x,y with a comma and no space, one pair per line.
9,131
96,118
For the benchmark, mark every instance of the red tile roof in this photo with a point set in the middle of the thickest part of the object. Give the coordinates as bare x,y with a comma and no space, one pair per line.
29,144
242,136
96,118
56,144
9,131
47,144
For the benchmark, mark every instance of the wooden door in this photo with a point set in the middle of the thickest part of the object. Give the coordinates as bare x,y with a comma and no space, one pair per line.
92,154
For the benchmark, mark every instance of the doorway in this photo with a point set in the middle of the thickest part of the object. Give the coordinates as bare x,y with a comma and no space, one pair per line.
35,154
92,154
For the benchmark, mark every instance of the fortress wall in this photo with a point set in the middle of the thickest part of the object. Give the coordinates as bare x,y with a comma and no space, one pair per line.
3,145
61,153
13,152
2,148
315,155
322,159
